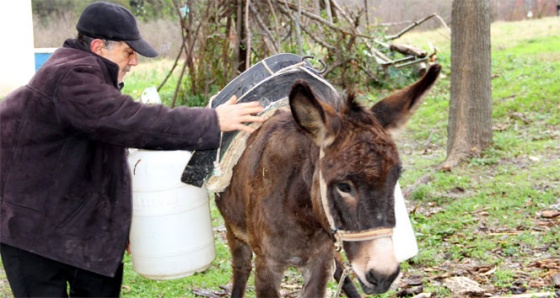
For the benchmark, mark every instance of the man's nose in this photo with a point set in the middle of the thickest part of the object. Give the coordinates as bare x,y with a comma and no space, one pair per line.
133,60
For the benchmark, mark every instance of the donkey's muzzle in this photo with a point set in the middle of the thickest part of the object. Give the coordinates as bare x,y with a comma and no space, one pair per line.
380,283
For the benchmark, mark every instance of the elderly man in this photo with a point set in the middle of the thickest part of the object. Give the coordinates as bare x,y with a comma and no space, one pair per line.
65,186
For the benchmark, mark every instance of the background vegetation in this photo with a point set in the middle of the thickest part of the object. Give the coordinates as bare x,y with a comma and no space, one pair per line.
216,40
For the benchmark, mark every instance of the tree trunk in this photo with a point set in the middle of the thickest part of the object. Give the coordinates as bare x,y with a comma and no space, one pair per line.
470,110
298,29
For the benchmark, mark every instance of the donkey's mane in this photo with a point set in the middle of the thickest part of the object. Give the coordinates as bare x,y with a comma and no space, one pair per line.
356,112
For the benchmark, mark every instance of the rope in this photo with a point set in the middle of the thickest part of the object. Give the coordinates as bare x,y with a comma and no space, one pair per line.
267,68
343,276
365,235
217,171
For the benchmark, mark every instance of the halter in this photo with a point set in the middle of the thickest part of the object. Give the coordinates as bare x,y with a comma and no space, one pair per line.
343,235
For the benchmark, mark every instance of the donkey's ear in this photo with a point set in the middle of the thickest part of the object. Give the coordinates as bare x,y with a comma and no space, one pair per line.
318,119
394,111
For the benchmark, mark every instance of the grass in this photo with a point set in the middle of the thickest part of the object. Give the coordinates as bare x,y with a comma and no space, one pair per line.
482,220
150,73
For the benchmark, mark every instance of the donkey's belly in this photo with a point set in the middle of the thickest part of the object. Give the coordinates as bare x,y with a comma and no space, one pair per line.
295,261
296,249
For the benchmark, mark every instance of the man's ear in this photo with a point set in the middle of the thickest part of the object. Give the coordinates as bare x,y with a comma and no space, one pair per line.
96,46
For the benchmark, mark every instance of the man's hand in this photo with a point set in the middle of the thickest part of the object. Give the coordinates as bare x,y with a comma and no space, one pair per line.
231,116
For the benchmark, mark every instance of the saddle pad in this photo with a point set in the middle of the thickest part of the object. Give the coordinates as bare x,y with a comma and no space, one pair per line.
267,82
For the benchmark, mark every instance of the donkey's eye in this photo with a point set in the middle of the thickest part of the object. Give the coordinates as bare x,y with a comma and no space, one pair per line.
343,187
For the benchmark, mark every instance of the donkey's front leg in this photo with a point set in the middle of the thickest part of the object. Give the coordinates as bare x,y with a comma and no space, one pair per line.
317,272
268,277
241,262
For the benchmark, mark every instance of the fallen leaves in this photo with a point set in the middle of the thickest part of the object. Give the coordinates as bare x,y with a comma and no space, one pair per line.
467,278
551,270
550,213
209,293
519,116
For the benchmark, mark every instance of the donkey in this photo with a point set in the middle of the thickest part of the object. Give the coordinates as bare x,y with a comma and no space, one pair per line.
313,177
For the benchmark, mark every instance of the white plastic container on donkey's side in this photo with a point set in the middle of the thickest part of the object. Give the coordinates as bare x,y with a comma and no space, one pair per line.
404,240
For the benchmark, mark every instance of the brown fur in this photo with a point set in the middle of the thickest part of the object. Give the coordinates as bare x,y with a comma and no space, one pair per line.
272,207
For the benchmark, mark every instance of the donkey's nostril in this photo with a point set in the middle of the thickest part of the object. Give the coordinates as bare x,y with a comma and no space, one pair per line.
379,282
372,277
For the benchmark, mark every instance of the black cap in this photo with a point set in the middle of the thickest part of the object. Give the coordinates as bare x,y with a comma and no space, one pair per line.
111,21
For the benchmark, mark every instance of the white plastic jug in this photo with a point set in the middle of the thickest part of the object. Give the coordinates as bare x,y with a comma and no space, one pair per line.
404,240
171,234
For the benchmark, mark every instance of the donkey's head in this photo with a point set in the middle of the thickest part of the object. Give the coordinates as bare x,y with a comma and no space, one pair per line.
357,171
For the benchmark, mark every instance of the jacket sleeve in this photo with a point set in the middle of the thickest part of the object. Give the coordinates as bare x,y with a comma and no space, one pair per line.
87,105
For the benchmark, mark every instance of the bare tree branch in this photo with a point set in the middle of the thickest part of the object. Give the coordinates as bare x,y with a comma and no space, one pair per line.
276,25
188,50
314,17
317,40
247,34
333,66
342,11
329,12
298,30
250,30
415,24
275,47
332,26
172,68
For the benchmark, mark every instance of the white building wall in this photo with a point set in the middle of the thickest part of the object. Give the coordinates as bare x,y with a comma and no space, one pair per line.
17,60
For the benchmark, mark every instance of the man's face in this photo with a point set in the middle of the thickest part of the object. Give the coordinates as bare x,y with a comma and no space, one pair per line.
122,55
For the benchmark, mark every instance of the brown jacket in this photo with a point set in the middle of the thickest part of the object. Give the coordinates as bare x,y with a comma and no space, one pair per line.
65,185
